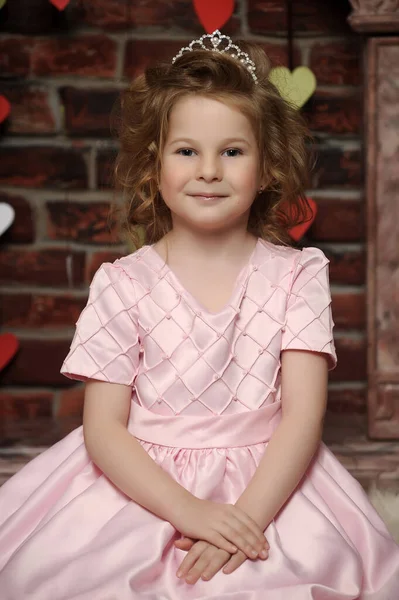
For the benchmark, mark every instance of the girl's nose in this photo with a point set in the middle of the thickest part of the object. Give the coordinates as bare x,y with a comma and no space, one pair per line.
209,169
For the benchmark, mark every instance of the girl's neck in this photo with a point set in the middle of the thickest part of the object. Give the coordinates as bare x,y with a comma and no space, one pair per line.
210,246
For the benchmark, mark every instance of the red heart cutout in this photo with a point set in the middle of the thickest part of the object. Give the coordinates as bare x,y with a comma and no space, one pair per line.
299,231
60,4
5,108
8,348
213,14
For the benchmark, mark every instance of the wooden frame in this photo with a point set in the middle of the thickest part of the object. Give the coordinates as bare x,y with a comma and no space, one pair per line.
374,16
382,189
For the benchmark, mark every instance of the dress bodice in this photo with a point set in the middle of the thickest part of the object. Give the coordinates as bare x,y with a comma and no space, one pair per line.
142,328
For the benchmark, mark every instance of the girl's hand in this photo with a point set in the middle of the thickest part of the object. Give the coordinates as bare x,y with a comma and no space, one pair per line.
225,526
205,560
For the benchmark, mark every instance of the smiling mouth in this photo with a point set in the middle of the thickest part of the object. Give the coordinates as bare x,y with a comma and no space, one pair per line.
207,196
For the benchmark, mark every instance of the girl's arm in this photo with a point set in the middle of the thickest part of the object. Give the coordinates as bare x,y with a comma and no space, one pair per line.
296,439
120,456
125,462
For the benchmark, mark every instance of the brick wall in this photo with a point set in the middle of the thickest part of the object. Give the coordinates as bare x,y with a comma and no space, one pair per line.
62,74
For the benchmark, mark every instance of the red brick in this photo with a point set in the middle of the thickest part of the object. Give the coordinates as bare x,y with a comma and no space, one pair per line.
70,409
105,165
30,17
93,55
352,360
22,230
43,166
311,16
34,434
328,112
21,406
347,401
82,222
266,16
41,267
67,424
30,110
338,168
15,56
349,310
71,403
24,417
40,310
141,53
38,362
338,430
120,15
338,221
347,268
278,54
97,259
87,111
337,63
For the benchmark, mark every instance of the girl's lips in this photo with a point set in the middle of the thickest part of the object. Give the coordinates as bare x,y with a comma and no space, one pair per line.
209,199
207,196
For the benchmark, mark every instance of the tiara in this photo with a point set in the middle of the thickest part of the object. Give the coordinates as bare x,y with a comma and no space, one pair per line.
223,44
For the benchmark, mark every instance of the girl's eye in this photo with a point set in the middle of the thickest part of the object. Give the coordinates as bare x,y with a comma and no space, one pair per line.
232,152
185,152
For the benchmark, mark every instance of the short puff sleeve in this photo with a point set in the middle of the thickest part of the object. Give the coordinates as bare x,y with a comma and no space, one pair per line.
106,342
309,324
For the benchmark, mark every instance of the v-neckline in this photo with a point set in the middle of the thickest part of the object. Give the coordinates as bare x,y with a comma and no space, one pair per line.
237,290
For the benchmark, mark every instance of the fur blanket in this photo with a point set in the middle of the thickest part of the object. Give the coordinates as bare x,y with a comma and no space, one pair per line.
386,504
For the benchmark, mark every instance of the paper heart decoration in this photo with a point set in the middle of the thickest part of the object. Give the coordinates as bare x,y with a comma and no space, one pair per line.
5,108
8,348
299,231
296,86
213,14
60,4
7,216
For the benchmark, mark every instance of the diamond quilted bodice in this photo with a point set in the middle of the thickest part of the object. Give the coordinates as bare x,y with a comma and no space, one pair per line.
142,328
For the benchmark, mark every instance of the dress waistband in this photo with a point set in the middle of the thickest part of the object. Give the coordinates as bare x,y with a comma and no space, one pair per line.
213,431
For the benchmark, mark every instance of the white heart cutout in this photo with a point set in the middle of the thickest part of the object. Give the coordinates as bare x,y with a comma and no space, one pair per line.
7,215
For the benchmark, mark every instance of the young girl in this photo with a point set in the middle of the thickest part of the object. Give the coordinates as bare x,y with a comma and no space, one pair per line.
199,471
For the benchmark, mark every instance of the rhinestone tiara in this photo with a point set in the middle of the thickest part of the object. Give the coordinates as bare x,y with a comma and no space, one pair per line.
218,42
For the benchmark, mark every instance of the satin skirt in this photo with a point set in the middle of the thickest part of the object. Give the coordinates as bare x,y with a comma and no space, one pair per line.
67,533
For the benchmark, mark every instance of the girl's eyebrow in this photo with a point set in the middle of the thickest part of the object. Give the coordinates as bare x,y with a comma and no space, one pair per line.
222,143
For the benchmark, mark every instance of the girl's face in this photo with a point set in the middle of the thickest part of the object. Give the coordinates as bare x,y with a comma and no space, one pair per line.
210,165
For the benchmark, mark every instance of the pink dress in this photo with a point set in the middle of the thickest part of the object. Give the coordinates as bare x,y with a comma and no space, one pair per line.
205,402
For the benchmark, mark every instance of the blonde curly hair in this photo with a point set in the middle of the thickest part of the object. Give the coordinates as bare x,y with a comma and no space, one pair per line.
141,120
